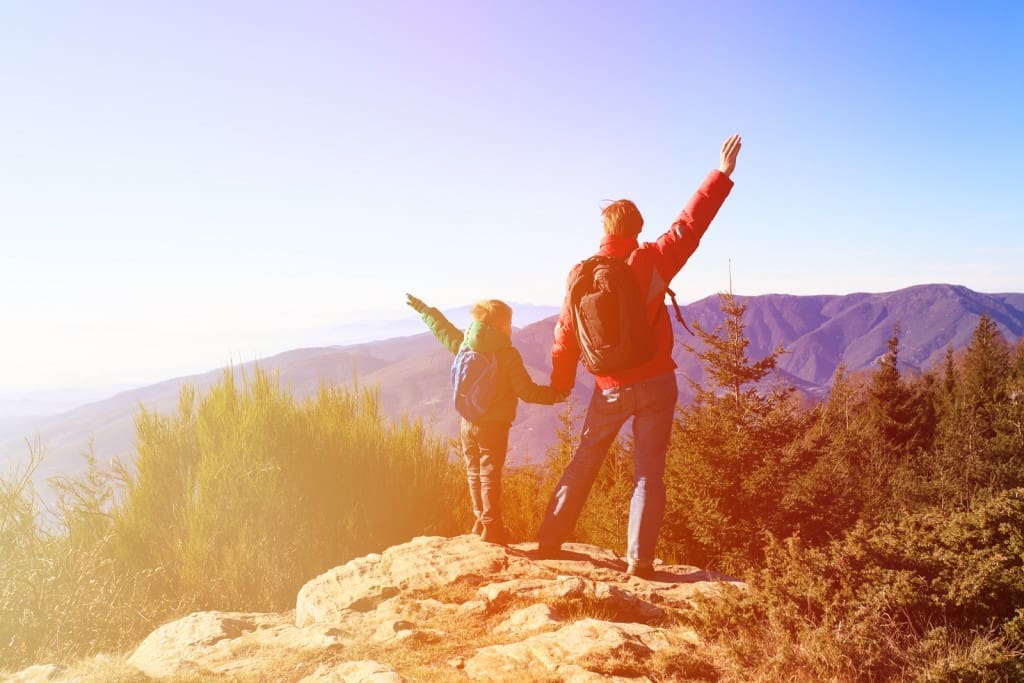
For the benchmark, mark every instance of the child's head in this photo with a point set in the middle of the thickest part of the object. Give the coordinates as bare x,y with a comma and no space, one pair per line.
493,312
621,217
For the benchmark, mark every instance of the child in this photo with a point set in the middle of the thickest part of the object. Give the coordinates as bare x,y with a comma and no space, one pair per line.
485,440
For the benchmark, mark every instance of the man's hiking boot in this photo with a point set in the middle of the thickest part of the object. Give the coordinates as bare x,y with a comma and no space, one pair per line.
640,571
547,552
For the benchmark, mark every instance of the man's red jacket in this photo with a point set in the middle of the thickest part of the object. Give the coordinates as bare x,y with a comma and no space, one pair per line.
655,264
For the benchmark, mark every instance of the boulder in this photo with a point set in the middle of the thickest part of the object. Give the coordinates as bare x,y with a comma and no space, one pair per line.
559,652
226,643
470,608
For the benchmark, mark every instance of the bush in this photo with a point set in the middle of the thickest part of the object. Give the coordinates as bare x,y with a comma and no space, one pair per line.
61,594
932,596
237,499
245,495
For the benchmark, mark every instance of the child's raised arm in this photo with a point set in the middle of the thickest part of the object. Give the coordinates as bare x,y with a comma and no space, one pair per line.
440,326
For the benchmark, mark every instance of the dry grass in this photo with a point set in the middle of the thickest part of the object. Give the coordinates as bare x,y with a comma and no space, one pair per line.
682,660
103,668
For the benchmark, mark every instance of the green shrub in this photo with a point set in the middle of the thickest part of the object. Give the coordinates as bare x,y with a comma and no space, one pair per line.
236,500
244,495
61,594
931,596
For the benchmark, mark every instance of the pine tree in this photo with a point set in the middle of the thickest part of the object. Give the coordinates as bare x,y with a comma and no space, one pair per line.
836,487
1015,394
725,361
733,454
987,367
903,416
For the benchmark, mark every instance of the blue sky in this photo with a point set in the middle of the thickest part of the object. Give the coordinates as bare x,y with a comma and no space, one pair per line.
188,184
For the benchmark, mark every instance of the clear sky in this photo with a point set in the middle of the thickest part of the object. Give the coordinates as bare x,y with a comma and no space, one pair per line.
186,184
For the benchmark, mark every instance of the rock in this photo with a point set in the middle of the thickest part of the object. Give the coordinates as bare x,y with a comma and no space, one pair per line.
527,620
455,605
572,673
549,654
423,563
38,674
393,629
505,590
225,643
366,671
472,608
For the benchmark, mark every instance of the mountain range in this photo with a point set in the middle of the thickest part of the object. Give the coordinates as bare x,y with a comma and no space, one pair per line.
412,372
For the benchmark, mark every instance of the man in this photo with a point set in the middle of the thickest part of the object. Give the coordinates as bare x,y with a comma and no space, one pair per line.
647,392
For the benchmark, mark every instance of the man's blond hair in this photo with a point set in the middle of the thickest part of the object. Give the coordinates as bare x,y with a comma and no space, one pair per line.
621,217
492,312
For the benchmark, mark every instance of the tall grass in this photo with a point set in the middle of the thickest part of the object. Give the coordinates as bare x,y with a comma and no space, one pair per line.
244,495
236,499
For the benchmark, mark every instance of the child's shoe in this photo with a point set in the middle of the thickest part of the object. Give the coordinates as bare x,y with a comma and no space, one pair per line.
494,534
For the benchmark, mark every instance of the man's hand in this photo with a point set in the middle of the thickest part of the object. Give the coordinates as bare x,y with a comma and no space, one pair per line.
730,150
416,304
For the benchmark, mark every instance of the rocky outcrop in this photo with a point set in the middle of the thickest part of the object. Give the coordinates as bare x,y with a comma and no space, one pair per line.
445,609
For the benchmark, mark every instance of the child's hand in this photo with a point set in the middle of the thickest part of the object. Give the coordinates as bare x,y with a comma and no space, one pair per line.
562,396
416,304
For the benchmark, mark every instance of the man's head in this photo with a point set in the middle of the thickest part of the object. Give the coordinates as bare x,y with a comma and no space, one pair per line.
493,312
621,217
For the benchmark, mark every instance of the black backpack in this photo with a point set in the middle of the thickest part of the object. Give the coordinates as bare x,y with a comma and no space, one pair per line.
609,314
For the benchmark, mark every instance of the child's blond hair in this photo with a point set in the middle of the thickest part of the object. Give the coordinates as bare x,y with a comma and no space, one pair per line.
492,312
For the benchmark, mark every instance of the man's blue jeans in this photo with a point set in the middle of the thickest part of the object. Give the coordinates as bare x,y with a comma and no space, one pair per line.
652,405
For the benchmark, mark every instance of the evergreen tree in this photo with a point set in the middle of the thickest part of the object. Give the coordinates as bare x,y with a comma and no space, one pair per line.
987,368
980,443
725,361
838,484
733,456
1015,394
903,416
949,376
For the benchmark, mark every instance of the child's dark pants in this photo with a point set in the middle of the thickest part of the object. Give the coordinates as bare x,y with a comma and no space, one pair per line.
484,446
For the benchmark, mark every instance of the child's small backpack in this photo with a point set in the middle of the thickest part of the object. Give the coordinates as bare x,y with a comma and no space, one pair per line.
609,314
474,382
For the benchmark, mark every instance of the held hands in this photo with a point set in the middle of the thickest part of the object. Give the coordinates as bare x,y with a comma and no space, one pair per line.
730,150
417,305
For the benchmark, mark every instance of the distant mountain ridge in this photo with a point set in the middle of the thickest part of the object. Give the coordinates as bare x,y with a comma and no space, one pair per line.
818,332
